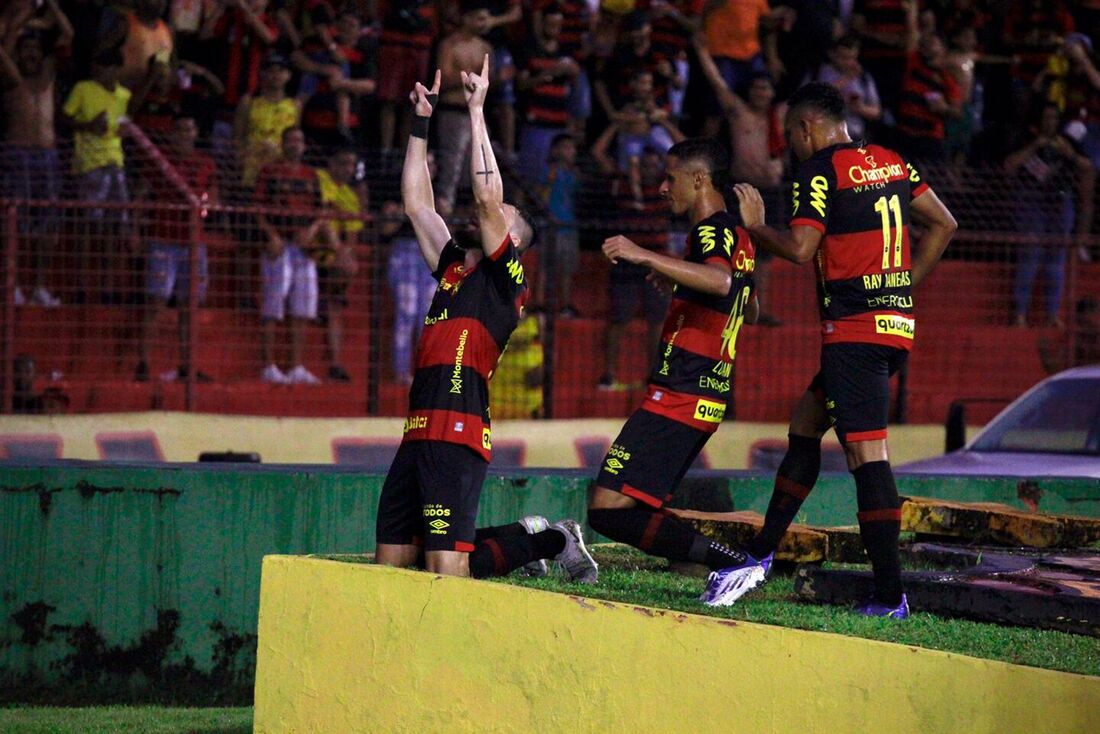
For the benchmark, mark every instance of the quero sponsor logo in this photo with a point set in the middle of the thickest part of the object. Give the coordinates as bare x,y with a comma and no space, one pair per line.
486,438
710,411
894,326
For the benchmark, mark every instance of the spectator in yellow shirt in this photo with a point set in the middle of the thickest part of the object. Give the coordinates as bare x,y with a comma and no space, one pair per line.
517,383
341,191
96,112
262,119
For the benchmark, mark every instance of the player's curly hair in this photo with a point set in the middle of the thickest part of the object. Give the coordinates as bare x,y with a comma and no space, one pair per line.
821,97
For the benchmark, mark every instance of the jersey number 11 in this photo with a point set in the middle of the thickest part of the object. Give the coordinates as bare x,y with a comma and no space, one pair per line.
885,207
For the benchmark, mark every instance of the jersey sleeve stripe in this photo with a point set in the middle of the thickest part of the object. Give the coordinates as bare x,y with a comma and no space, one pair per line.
719,260
503,247
807,222
919,190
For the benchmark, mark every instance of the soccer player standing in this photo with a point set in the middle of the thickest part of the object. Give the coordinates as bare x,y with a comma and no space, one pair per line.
852,208
689,386
430,496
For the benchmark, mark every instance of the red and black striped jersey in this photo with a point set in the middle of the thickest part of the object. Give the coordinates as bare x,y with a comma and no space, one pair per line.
858,197
294,191
547,103
575,24
670,37
915,115
467,328
690,381
885,17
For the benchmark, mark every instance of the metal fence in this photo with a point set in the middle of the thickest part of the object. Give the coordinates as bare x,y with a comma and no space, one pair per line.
164,298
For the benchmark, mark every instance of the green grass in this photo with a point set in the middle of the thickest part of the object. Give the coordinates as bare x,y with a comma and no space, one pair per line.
628,576
124,720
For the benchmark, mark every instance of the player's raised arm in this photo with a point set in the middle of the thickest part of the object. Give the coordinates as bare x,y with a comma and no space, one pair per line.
484,173
416,181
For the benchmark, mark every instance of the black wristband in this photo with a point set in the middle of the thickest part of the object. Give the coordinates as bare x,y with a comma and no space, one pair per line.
420,124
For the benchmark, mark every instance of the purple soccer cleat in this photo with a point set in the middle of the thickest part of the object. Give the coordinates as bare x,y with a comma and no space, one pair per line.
873,609
727,585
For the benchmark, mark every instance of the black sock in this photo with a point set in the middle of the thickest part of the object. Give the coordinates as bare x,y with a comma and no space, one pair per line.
499,531
880,525
661,535
793,482
505,553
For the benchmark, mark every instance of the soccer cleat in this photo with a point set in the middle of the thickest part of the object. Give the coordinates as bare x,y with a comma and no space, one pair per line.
535,524
301,376
727,585
873,609
575,558
274,375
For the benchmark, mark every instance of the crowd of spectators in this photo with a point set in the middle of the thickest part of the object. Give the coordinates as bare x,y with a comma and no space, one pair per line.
587,97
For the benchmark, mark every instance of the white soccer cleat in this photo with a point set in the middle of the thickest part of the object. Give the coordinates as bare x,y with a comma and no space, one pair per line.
274,375
575,558
301,376
727,585
535,524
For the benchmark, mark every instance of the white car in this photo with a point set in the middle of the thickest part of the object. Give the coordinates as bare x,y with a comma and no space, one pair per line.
1052,430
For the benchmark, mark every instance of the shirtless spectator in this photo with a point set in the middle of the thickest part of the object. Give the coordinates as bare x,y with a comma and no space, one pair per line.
642,125
461,51
290,193
759,149
31,169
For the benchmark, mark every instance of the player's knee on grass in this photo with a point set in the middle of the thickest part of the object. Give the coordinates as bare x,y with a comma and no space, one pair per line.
402,556
448,563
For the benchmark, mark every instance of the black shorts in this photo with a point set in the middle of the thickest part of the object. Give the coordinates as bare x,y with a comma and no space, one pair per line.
855,383
650,457
629,290
430,496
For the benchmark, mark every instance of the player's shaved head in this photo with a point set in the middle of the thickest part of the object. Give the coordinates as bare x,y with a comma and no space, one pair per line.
817,98
815,119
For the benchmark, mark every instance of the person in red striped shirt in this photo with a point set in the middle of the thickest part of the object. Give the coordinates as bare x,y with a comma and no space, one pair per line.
429,500
689,386
852,207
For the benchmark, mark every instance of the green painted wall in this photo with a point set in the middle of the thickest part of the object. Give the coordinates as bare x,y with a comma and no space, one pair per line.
133,578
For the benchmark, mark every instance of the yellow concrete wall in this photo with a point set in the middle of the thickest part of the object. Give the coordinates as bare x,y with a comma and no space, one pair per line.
356,648
183,436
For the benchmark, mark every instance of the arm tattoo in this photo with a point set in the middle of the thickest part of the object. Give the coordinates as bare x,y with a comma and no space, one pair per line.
485,163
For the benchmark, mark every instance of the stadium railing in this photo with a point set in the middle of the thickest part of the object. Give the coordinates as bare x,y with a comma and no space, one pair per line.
93,258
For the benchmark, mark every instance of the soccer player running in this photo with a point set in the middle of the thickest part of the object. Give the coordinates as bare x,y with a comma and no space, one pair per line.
689,386
852,208
430,496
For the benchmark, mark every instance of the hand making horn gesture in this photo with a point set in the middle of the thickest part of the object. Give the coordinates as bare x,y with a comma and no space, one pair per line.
475,86
424,100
